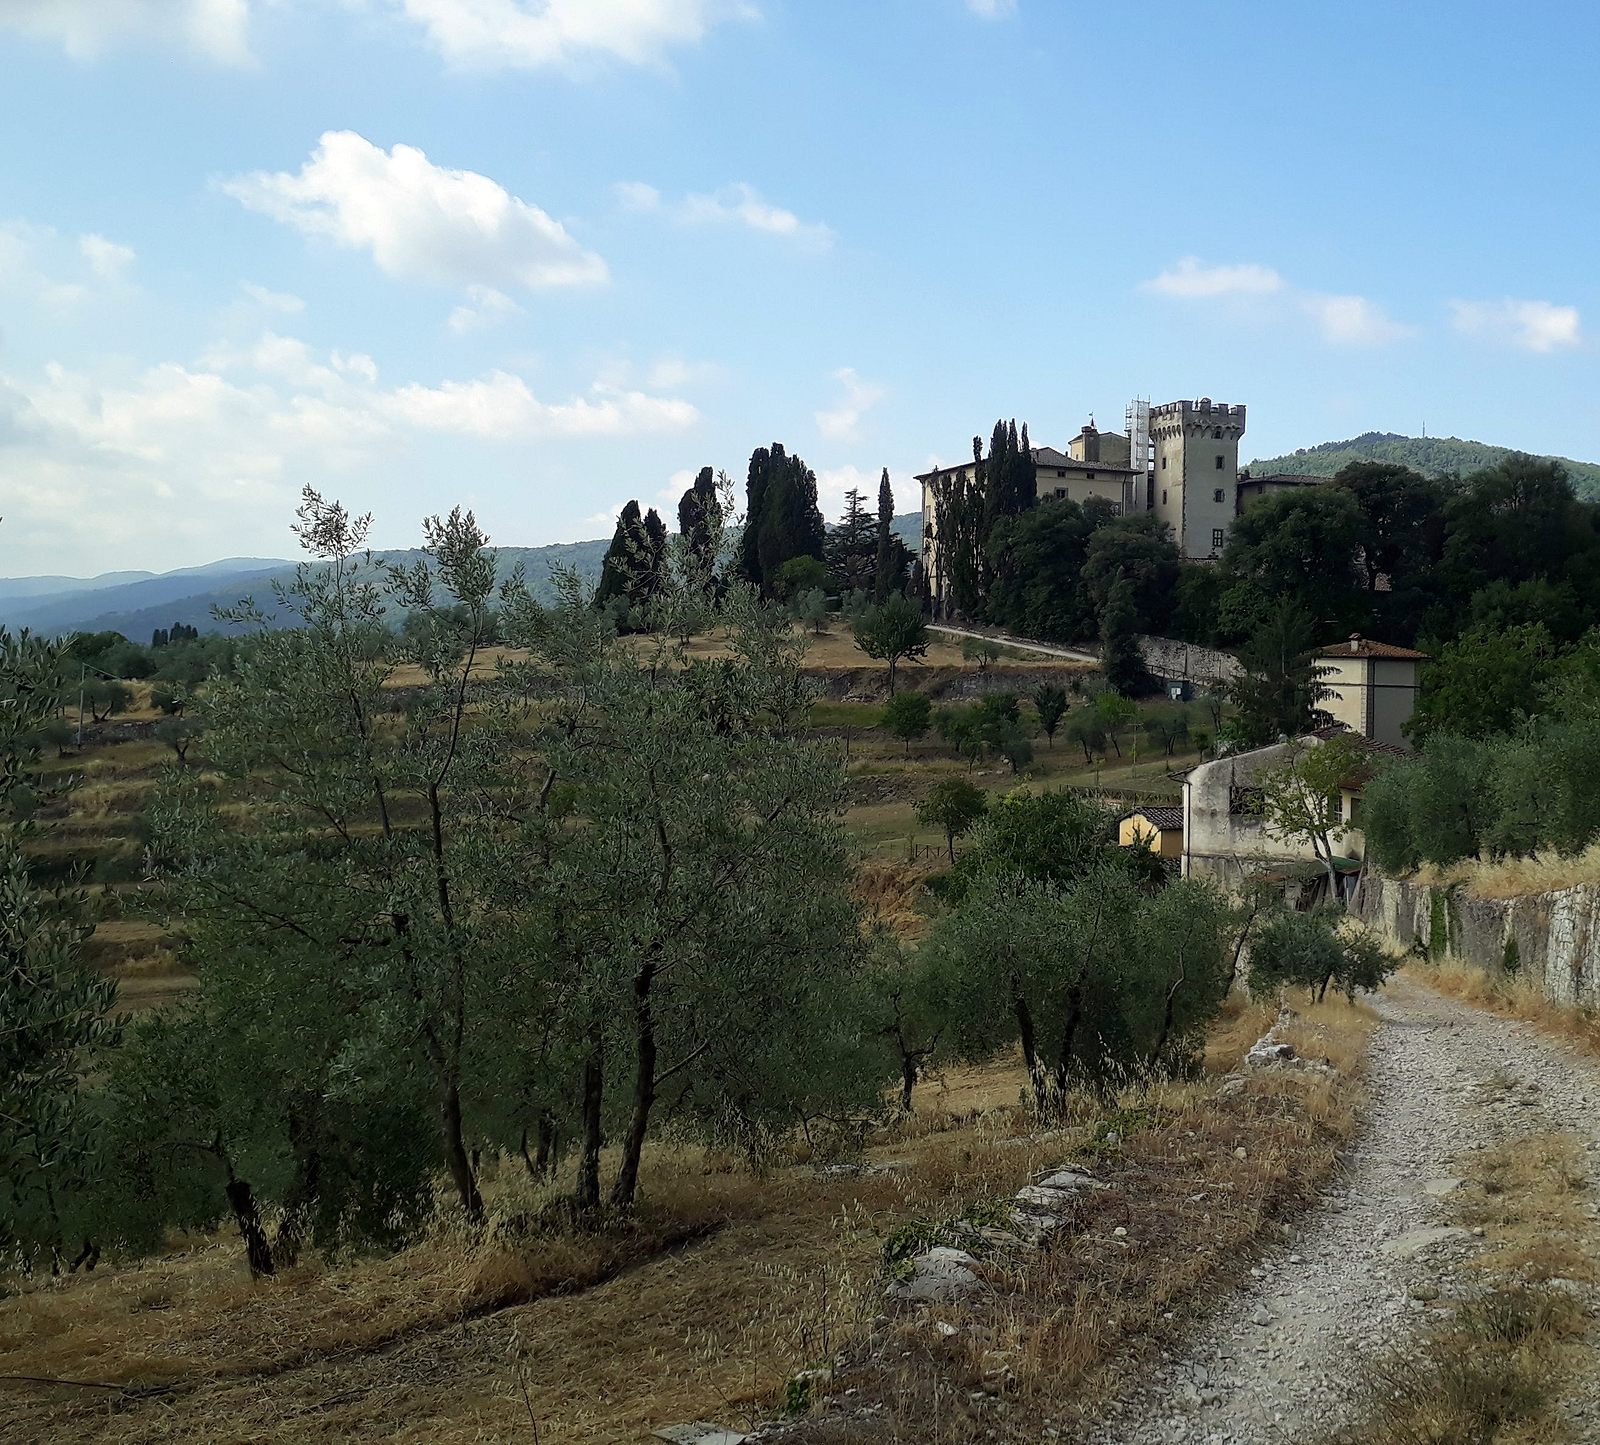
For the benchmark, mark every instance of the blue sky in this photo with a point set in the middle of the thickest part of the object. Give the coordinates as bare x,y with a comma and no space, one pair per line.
539,256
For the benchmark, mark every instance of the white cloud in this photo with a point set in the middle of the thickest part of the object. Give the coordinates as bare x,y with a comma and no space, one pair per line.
1340,320
218,30
486,307
533,34
106,258
738,204
284,301
673,373
1539,326
420,221
637,196
992,9
501,406
1190,279
194,458
843,422
1352,320
38,263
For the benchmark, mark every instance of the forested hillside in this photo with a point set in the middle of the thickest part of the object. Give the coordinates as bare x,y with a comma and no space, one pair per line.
1432,456
136,608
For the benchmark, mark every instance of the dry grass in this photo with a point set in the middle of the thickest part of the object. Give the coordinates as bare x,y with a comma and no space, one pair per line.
1514,996
1200,1180
892,894
726,1286
1517,877
1494,1369
729,1284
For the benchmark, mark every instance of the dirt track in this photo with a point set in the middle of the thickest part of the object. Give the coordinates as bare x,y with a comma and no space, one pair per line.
1276,1360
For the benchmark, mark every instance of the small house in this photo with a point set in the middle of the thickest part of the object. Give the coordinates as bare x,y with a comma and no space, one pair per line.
1156,828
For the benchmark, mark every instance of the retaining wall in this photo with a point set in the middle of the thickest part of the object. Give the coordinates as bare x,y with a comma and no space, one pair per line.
1552,938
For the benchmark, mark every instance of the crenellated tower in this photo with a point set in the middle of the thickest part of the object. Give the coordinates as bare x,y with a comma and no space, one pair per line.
1195,470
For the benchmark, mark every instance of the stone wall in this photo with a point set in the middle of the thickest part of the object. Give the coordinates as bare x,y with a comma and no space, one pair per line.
1174,661
1552,938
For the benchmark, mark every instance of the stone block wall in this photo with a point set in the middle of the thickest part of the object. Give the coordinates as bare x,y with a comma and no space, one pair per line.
1552,938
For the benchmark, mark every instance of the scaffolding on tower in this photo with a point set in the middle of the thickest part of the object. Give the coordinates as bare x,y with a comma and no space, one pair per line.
1140,454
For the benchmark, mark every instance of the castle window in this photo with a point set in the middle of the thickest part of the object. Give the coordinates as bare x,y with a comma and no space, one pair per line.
1220,460
1163,496
1091,476
1246,802
1217,435
1217,495
1216,539
1061,494
1163,464
1060,472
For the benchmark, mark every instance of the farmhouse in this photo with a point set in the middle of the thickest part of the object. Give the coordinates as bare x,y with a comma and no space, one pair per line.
1160,829
1225,834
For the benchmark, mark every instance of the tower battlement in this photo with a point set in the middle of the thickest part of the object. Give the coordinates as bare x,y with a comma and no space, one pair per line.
1174,417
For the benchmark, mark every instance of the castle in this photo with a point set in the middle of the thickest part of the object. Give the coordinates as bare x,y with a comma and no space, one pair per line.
1178,460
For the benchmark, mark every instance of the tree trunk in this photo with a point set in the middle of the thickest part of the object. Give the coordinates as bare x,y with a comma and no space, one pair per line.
1030,1055
908,1078
892,662
302,1192
586,1197
644,1088
455,1152
257,1249
950,843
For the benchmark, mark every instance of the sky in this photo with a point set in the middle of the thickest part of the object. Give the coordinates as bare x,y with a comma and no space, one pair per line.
536,257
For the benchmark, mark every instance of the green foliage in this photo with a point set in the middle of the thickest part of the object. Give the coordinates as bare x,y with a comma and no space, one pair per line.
852,547
892,632
1313,951
1300,544
1140,550
782,519
980,650
1168,729
811,609
1050,704
1432,456
908,717
1486,682
1054,944
1302,797
1120,658
633,572
891,560
1036,562
54,1010
1276,694
798,575
953,806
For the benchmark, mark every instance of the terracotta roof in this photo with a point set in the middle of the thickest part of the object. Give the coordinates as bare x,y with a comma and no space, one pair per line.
1358,646
1361,740
1042,457
1159,817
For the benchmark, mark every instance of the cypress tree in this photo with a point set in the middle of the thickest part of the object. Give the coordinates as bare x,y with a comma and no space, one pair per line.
791,521
699,512
625,572
886,574
653,573
1119,646
755,508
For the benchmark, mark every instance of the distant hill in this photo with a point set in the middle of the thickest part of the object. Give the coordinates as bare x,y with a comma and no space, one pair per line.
1432,456
136,608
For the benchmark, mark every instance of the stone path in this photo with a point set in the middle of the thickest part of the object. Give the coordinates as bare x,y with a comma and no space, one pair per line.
1274,1361
1068,654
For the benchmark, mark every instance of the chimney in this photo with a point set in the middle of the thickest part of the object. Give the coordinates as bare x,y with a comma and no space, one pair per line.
1355,642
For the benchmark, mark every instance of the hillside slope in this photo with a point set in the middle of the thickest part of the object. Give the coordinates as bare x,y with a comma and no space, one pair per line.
1432,456
188,596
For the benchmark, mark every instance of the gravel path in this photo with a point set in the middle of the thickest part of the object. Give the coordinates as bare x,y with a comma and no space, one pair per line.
1273,1363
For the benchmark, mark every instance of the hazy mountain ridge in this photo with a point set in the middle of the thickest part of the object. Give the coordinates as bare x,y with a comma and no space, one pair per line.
137,608
1432,456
